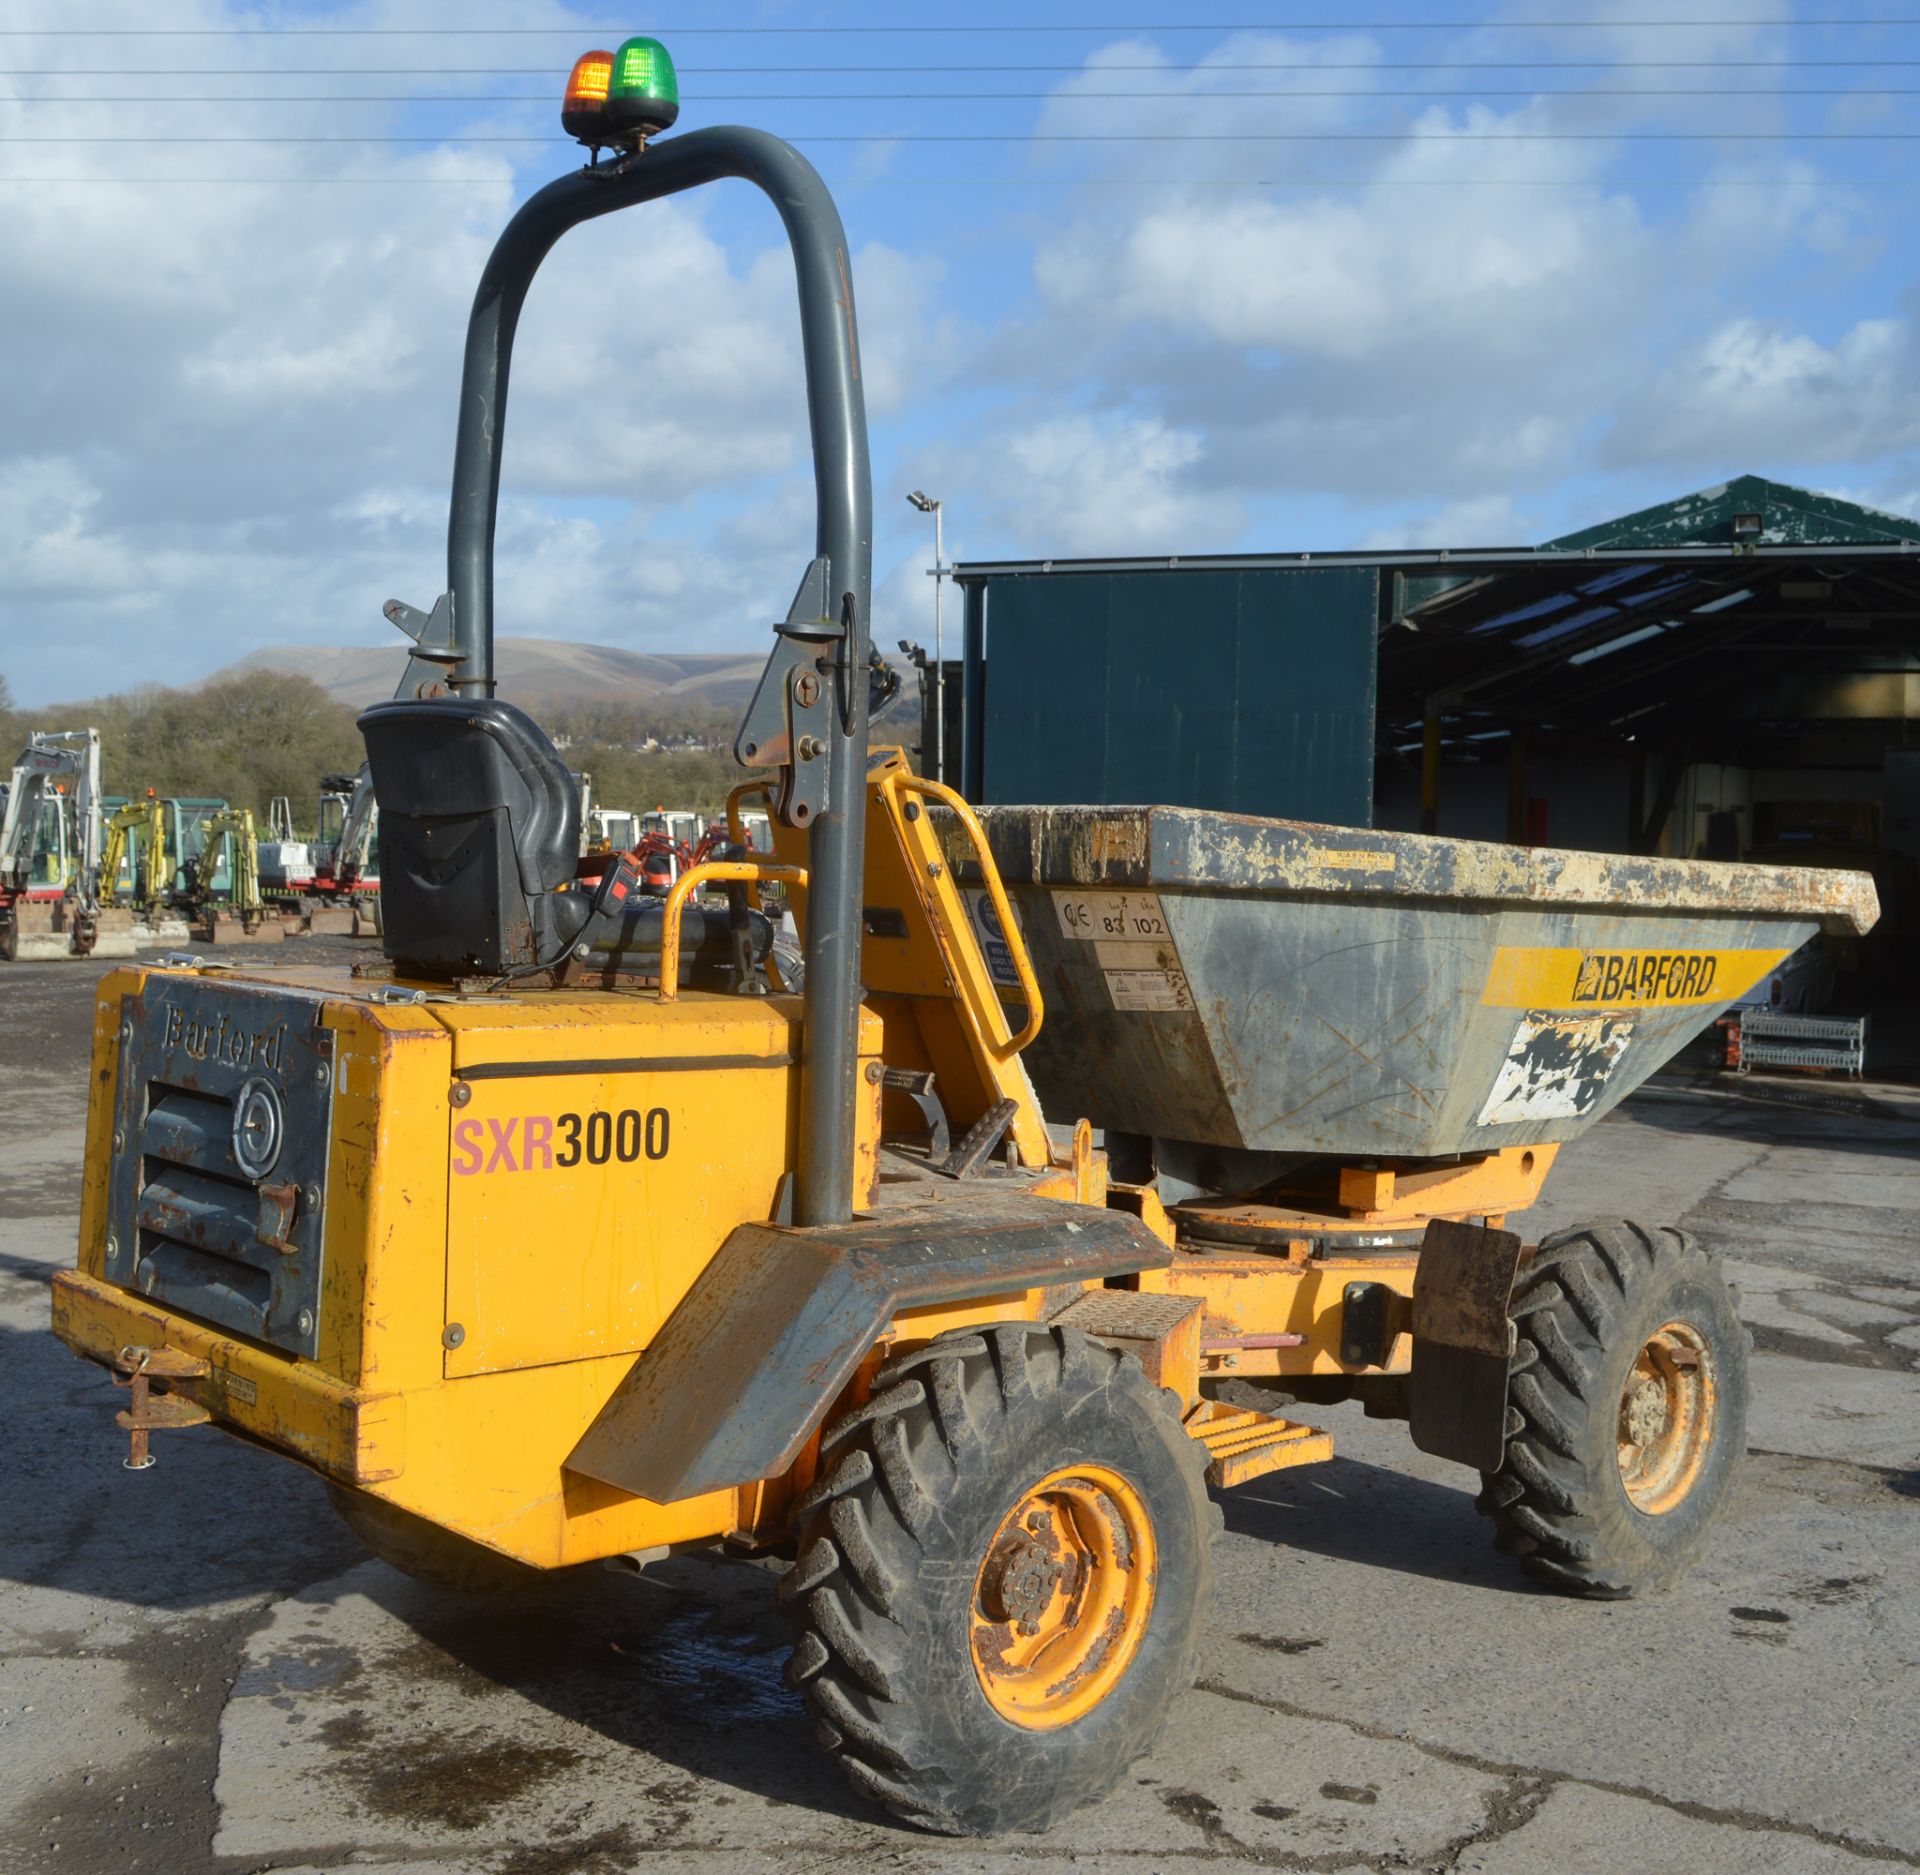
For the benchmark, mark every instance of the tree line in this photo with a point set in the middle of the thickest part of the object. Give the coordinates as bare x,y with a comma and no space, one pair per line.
248,738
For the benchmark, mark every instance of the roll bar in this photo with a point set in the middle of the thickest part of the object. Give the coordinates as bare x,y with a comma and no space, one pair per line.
843,494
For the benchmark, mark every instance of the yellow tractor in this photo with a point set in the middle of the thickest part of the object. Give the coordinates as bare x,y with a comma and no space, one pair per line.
573,1236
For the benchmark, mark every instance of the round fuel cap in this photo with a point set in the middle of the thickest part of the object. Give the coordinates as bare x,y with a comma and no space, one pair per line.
258,1128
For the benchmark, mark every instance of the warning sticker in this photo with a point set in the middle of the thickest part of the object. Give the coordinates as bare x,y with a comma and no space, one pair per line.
1143,976
993,937
1556,1068
1149,989
1132,916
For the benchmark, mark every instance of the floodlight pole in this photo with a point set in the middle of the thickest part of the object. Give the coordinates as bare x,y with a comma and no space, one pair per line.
927,505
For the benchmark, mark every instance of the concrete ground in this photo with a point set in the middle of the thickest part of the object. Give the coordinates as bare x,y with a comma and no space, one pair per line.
200,1671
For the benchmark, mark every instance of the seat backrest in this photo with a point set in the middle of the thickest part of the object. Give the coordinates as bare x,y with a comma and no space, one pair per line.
479,824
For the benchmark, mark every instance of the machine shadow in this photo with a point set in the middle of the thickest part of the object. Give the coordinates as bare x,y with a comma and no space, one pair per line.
77,1521
1350,1511
683,1665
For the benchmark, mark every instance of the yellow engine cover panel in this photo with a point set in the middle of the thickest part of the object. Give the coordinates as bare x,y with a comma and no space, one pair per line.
594,1167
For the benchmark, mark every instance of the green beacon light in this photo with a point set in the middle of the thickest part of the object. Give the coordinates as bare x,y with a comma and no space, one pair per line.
643,96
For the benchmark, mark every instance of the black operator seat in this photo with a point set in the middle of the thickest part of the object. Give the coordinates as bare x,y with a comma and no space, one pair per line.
479,828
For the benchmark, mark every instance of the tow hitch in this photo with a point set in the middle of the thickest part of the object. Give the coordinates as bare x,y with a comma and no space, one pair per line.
149,1406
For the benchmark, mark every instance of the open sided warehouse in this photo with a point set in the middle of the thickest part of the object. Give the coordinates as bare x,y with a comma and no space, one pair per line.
1733,674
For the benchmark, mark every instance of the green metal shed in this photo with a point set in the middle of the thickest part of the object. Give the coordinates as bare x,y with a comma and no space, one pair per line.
1715,628
1243,688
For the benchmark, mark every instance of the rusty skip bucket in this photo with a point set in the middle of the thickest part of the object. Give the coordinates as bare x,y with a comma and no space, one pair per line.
1277,986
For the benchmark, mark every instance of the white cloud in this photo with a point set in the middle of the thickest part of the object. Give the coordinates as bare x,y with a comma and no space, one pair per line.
1483,521
1757,392
237,420
1076,485
1347,280
1477,308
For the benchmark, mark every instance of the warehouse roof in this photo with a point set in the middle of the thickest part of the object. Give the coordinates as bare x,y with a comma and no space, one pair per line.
1633,619
1656,612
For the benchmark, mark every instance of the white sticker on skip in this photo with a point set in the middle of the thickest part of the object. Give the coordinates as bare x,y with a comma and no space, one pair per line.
1557,1067
1135,916
1149,989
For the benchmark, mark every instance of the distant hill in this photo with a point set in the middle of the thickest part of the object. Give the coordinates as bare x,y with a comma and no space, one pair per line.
529,670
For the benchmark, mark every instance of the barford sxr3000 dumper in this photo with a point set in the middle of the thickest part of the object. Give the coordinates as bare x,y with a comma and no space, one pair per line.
570,1233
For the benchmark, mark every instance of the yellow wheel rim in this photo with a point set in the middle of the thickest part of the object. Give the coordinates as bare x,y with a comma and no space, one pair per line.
1062,1597
1667,1412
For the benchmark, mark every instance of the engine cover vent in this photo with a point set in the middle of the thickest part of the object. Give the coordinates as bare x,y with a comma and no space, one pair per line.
219,1179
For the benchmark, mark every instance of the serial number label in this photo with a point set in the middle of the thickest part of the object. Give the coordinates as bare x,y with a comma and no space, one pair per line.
1526,978
548,1142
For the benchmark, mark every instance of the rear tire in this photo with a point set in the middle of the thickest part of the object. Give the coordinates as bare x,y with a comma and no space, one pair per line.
1002,1579
426,1552
1627,1409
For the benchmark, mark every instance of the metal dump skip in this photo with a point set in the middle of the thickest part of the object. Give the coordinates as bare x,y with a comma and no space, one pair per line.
1291,988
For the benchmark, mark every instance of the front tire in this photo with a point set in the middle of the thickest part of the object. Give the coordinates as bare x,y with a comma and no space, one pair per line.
1627,1409
1002,1579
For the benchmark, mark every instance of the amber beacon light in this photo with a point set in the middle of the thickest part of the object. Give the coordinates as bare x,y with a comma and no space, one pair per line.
583,112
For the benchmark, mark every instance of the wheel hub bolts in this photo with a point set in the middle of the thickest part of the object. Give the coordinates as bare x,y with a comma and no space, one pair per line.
1019,1582
1643,1412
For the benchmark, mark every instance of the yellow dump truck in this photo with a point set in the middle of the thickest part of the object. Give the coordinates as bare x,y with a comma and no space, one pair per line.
569,1232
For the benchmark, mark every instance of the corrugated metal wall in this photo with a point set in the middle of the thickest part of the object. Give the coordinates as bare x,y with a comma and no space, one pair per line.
1248,692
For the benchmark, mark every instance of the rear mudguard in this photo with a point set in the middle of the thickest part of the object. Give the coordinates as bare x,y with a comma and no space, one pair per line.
777,1324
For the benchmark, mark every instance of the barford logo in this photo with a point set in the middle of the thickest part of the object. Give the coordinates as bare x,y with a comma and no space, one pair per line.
1644,976
227,1042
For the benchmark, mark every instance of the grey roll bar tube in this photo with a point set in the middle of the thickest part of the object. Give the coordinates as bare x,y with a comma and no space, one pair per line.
843,493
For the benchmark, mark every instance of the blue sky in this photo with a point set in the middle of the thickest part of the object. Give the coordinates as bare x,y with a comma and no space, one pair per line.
1443,274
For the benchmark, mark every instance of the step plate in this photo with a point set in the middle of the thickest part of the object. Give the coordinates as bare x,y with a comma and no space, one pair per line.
1242,1444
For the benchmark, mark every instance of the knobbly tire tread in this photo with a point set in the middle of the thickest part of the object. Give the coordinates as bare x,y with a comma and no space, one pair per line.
913,1485
423,1550
1582,1308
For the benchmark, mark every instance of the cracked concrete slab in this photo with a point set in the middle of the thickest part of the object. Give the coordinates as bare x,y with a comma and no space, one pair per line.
50,1706
1784,1176
657,1709
1812,1578
1849,1311
563,1858
1860,1415
1579,1831
246,1691
1771,1298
